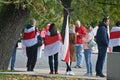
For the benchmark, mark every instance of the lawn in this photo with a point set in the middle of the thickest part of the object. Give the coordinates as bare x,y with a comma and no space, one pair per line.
29,77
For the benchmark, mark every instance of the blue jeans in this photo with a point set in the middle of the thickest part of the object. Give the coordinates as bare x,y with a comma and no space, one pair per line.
101,59
79,54
13,59
87,53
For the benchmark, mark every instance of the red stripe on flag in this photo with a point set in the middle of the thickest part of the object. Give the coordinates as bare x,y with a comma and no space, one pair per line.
51,39
114,34
29,35
67,57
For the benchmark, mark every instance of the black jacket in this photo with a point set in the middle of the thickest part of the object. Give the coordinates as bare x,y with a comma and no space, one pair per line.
102,38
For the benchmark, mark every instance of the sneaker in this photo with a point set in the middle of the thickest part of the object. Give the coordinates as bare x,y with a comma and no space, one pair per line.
71,73
67,73
100,75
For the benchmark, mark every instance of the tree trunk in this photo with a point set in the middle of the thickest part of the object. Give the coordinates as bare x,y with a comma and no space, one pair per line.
12,22
67,5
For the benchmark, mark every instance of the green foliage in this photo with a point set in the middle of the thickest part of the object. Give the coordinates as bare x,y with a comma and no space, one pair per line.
47,11
87,11
92,11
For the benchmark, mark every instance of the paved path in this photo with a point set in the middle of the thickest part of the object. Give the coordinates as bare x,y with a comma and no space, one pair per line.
42,67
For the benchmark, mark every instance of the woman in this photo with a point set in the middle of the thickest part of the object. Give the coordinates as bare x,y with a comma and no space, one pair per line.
115,37
53,44
88,52
72,40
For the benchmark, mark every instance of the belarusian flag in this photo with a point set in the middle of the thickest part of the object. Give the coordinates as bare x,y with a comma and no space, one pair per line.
66,47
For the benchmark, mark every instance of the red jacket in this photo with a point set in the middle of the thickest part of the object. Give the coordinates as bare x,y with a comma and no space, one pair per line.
82,32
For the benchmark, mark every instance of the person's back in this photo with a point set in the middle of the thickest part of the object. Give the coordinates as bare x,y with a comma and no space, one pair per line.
30,40
53,44
115,37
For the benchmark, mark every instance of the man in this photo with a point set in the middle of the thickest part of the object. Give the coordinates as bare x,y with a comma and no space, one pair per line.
30,40
102,40
80,32
13,57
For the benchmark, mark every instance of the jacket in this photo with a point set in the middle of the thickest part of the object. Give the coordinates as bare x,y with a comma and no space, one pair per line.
82,32
102,38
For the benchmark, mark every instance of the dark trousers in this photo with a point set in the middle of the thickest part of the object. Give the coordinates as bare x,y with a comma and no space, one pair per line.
32,57
116,49
55,61
68,67
101,59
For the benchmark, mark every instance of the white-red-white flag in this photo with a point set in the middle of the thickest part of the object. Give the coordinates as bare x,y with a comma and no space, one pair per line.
114,37
66,47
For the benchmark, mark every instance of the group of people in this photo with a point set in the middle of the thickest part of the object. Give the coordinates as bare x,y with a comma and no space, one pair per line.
79,38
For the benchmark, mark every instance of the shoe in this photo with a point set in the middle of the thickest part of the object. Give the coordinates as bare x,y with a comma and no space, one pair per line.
77,66
67,73
56,72
12,69
100,75
71,73
50,72
88,74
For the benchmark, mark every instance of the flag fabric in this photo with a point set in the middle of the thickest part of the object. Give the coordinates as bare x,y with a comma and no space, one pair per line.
30,36
65,47
30,39
114,37
52,44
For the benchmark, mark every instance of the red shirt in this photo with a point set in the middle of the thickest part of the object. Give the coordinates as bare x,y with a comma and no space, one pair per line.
82,32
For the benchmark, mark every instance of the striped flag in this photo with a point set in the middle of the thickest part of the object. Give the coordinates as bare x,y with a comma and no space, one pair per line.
114,37
52,44
66,47
30,36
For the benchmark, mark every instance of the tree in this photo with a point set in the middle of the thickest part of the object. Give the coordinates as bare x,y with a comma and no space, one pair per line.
67,10
12,21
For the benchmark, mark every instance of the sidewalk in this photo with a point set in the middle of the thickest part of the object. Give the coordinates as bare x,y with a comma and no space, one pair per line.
44,72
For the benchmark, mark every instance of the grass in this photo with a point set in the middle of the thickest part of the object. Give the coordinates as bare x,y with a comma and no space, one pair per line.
29,77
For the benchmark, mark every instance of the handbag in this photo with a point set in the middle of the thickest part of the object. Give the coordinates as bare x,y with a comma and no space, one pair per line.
91,43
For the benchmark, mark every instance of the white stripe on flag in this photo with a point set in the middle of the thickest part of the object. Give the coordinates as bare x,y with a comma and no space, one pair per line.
29,30
66,41
30,42
53,48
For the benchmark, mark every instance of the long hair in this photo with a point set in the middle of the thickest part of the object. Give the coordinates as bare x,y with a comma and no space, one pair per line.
53,30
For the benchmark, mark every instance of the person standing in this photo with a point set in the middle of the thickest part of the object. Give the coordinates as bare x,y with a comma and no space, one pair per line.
30,40
53,43
115,38
72,40
80,32
102,40
88,51
13,57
